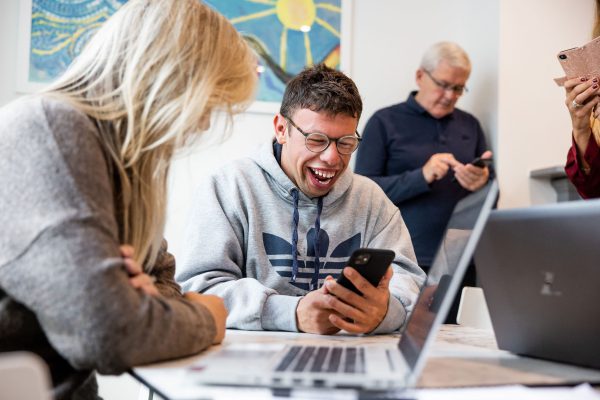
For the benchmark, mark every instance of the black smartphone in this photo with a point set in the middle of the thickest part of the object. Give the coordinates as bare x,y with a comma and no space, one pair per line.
481,162
370,263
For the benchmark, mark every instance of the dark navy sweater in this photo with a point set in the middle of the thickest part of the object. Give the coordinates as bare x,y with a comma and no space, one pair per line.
397,142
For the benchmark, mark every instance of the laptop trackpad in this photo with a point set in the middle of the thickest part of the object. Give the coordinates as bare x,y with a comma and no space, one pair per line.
255,355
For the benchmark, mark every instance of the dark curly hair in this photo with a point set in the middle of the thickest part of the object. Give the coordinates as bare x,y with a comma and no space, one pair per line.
321,89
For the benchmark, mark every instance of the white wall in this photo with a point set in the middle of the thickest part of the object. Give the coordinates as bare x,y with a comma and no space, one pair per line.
9,20
533,124
389,38
512,45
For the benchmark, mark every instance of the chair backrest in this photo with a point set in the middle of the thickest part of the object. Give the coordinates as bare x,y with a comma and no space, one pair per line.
473,310
24,376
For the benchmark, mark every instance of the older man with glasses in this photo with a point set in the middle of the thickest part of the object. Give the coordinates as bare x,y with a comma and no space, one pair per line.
420,151
283,223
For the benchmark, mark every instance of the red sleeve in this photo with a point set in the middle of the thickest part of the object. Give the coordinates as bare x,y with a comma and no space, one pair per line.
588,185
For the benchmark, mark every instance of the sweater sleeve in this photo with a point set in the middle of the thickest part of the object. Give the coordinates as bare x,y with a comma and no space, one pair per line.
588,185
164,272
219,268
62,260
390,232
372,159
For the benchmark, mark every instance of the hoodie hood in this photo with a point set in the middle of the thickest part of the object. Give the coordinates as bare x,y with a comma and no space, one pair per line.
269,159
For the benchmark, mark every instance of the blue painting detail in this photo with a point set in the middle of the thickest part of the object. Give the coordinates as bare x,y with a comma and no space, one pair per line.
279,253
60,29
287,35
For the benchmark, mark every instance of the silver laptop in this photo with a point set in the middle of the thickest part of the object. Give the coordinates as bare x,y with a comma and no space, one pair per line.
540,271
329,363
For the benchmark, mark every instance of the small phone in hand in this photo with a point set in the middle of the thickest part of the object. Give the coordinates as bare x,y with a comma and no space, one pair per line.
481,162
370,263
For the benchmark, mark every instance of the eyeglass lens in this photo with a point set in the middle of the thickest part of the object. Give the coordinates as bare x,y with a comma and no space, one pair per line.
458,89
318,142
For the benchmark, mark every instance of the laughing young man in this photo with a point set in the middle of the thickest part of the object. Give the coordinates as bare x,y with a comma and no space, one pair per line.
282,221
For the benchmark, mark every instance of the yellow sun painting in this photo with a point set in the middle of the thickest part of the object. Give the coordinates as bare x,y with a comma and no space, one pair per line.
287,35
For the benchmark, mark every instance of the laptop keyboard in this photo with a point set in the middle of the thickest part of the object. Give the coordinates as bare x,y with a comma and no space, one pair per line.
323,359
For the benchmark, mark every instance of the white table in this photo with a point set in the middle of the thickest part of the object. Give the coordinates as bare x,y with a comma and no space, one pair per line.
460,357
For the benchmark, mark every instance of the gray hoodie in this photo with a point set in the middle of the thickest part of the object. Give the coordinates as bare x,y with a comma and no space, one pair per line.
240,239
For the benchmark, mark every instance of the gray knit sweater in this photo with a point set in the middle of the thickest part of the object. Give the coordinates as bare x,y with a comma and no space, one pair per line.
64,293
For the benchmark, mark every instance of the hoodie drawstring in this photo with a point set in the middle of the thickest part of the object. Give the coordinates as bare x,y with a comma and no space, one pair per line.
314,283
295,237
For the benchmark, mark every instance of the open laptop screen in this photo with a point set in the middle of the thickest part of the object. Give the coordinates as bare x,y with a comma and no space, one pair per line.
547,257
449,265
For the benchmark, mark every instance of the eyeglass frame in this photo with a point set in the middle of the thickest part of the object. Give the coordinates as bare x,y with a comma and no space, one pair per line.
456,89
329,140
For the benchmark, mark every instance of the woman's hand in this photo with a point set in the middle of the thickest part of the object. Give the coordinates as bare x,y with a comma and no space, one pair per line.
138,279
582,96
216,307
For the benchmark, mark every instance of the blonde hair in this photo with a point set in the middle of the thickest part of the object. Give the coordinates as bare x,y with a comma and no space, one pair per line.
596,27
149,77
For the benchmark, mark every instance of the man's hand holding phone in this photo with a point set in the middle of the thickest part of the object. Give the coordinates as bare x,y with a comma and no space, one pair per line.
357,302
355,313
474,175
334,307
313,313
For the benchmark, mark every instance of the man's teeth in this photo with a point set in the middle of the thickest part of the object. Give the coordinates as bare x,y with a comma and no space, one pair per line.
323,174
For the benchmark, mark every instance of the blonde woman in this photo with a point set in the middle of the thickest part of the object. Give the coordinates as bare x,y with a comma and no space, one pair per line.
583,158
85,279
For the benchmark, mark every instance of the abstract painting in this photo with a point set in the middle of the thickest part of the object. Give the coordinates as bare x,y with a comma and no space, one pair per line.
287,35
59,29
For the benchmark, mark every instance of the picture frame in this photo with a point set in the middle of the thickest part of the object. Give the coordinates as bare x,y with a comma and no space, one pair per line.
30,79
24,85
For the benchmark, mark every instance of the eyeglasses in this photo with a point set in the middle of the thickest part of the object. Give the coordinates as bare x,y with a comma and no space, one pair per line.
457,89
319,142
